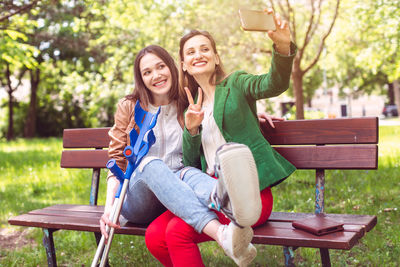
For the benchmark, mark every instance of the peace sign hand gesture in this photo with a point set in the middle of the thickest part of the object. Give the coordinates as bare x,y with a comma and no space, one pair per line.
194,114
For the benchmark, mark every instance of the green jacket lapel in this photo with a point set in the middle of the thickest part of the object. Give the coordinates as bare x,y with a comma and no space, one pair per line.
221,95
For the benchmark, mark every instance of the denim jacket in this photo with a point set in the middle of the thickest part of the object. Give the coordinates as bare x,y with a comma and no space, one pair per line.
168,133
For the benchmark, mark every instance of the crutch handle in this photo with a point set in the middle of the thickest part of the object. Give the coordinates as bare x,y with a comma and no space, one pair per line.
113,167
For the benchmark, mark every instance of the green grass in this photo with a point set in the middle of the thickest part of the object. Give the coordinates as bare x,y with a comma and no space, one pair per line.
31,178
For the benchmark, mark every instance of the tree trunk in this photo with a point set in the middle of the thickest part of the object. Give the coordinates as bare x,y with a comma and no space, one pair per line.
396,91
10,131
30,124
297,77
390,94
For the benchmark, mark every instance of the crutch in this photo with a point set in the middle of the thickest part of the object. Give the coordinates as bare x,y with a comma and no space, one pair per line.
134,153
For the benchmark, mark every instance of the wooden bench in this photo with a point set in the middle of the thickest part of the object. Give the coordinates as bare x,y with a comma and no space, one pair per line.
308,144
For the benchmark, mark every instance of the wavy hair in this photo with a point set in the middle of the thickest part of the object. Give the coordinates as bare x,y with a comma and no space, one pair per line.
142,93
187,80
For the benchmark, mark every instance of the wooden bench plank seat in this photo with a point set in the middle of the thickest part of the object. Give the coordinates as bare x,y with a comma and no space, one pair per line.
308,144
278,230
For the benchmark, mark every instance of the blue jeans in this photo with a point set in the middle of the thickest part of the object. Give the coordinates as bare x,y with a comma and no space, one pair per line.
157,188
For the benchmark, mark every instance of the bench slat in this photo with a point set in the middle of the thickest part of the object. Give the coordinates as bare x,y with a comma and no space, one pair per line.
303,157
266,234
324,131
96,216
367,221
85,213
80,208
277,231
332,157
84,158
70,223
296,132
76,214
86,138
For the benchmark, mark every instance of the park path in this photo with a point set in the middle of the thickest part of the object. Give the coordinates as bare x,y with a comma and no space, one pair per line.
389,122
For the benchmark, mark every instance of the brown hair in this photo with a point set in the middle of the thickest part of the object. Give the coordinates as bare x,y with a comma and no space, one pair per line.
143,94
187,80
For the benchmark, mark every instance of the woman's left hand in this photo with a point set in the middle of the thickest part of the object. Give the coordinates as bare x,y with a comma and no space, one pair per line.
281,36
263,117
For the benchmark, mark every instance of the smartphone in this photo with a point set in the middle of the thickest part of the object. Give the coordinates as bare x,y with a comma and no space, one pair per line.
254,20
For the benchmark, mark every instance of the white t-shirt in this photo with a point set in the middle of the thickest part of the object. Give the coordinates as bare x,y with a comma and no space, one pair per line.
211,137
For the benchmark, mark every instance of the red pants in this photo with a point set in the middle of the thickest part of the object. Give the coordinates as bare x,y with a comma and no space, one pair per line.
174,243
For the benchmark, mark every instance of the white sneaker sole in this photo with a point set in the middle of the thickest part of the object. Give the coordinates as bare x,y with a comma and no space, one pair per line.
238,171
247,257
241,238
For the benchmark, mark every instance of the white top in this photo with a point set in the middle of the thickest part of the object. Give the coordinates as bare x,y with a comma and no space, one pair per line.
168,133
211,137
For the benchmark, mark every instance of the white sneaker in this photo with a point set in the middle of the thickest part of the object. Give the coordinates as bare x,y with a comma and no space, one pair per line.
237,192
233,239
235,242
247,257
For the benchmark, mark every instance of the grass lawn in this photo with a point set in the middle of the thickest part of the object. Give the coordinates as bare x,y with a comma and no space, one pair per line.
31,178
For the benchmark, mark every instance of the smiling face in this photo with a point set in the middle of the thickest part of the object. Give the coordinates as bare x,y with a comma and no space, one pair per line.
156,77
199,57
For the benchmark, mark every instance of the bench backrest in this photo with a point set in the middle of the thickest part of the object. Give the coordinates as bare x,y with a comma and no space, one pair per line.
327,144
349,143
308,144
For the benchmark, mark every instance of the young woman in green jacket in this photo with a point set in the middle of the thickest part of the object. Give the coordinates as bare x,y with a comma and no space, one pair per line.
226,113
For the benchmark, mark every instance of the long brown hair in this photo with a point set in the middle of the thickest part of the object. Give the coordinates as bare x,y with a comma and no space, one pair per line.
187,80
143,94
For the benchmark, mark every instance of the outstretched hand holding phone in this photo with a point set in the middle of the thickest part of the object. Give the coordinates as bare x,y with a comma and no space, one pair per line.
268,21
280,37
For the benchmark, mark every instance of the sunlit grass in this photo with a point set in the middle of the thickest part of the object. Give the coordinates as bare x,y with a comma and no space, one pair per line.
31,178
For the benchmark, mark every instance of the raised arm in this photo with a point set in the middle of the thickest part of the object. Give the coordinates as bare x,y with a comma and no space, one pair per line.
276,81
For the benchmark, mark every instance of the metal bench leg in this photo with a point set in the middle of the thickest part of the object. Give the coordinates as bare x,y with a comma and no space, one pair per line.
48,243
289,256
326,261
94,189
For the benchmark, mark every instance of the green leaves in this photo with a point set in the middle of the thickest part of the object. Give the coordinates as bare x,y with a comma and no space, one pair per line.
365,45
14,35
15,51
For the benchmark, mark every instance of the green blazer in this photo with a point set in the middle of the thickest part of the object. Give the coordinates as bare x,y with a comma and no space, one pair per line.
235,114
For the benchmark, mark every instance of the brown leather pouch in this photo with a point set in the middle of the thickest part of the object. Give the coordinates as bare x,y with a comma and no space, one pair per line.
318,225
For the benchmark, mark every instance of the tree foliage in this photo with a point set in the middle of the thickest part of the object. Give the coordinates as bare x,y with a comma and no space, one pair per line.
76,57
364,49
16,54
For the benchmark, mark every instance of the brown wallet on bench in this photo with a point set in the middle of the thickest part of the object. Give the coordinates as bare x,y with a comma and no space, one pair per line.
318,225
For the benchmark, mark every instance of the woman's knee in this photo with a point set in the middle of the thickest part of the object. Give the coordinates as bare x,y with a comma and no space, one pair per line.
154,238
179,232
150,163
155,233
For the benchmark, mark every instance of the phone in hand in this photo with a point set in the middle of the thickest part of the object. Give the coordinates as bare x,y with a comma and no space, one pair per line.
254,20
